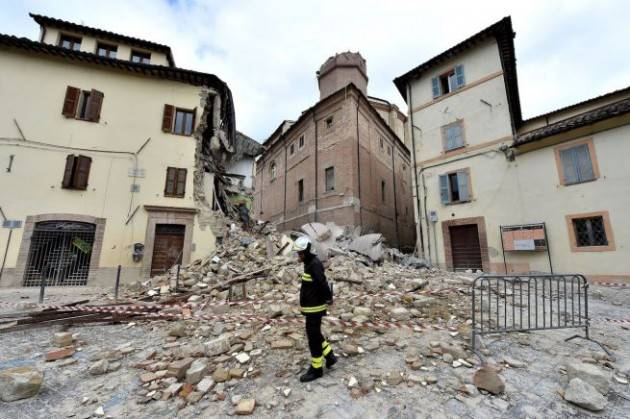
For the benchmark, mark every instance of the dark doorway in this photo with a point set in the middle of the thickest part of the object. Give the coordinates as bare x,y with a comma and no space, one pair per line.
465,247
59,253
167,248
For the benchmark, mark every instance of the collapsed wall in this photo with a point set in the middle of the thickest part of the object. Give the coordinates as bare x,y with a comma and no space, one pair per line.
215,136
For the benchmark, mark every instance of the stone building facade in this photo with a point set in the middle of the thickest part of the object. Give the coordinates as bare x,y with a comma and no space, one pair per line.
340,161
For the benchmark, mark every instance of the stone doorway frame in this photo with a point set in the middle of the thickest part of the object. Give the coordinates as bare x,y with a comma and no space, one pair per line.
167,215
27,235
483,240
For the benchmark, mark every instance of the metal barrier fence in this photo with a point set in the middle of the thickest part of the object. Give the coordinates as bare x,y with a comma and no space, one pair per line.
518,303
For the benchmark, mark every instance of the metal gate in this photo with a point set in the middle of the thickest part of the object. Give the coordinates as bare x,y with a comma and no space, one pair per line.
59,253
529,302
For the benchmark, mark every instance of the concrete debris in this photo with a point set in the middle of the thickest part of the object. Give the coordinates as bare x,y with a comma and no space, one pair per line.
20,383
591,374
62,339
246,407
583,394
486,378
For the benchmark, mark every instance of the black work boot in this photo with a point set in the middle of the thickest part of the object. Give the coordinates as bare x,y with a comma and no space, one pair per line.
312,374
331,359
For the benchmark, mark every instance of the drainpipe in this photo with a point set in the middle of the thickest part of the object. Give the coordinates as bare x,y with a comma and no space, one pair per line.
415,172
395,198
316,178
6,250
284,211
359,166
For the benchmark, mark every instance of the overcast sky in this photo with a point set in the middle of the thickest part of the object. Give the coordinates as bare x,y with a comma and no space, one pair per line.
268,50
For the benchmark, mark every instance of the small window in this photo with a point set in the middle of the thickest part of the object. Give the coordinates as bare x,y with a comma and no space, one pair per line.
301,190
330,179
404,168
389,151
292,149
329,122
82,104
106,50
77,172
383,191
381,142
301,142
448,81
576,164
590,231
175,182
454,187
70,42
273,170
184,122
453,136
141,57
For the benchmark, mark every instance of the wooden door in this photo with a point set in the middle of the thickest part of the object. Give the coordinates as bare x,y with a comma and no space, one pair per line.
465,247
167,248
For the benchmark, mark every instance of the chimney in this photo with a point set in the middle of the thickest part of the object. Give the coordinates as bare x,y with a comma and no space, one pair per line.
339,71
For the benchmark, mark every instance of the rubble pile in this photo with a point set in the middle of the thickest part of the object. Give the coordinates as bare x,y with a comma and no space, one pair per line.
371,284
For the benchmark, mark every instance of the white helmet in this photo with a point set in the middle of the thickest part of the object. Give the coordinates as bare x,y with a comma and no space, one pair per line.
301,244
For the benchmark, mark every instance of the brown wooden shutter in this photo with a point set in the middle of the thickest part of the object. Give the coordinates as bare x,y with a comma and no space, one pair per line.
82,172
94,106
67,174
181,182
167,119
171,175
71,101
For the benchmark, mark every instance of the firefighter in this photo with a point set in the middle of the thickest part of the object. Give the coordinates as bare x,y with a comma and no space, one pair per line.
315,296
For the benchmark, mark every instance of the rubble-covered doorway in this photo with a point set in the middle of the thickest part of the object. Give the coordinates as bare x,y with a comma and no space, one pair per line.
59,253
465,247
168,247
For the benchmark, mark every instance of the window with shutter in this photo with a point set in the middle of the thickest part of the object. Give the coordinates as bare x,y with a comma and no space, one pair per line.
453,136
94,106
459,76
68,172
577,164
171,175
462,185
455,187
435,86
82,172
175,186
181,183
444,191
167,118
70,102
383,191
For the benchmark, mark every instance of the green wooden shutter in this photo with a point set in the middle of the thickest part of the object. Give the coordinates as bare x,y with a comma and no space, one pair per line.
584,164
462,186
569,166
444,192
459,76
435,83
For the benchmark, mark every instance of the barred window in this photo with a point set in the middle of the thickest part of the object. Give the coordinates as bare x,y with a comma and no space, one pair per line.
590,231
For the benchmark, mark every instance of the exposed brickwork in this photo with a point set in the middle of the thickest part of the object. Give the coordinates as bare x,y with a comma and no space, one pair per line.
335,145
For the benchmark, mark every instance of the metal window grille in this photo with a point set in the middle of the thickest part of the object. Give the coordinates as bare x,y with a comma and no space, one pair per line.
590,231
59,253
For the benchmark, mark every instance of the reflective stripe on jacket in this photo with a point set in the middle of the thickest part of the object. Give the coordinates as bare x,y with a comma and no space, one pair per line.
314,290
